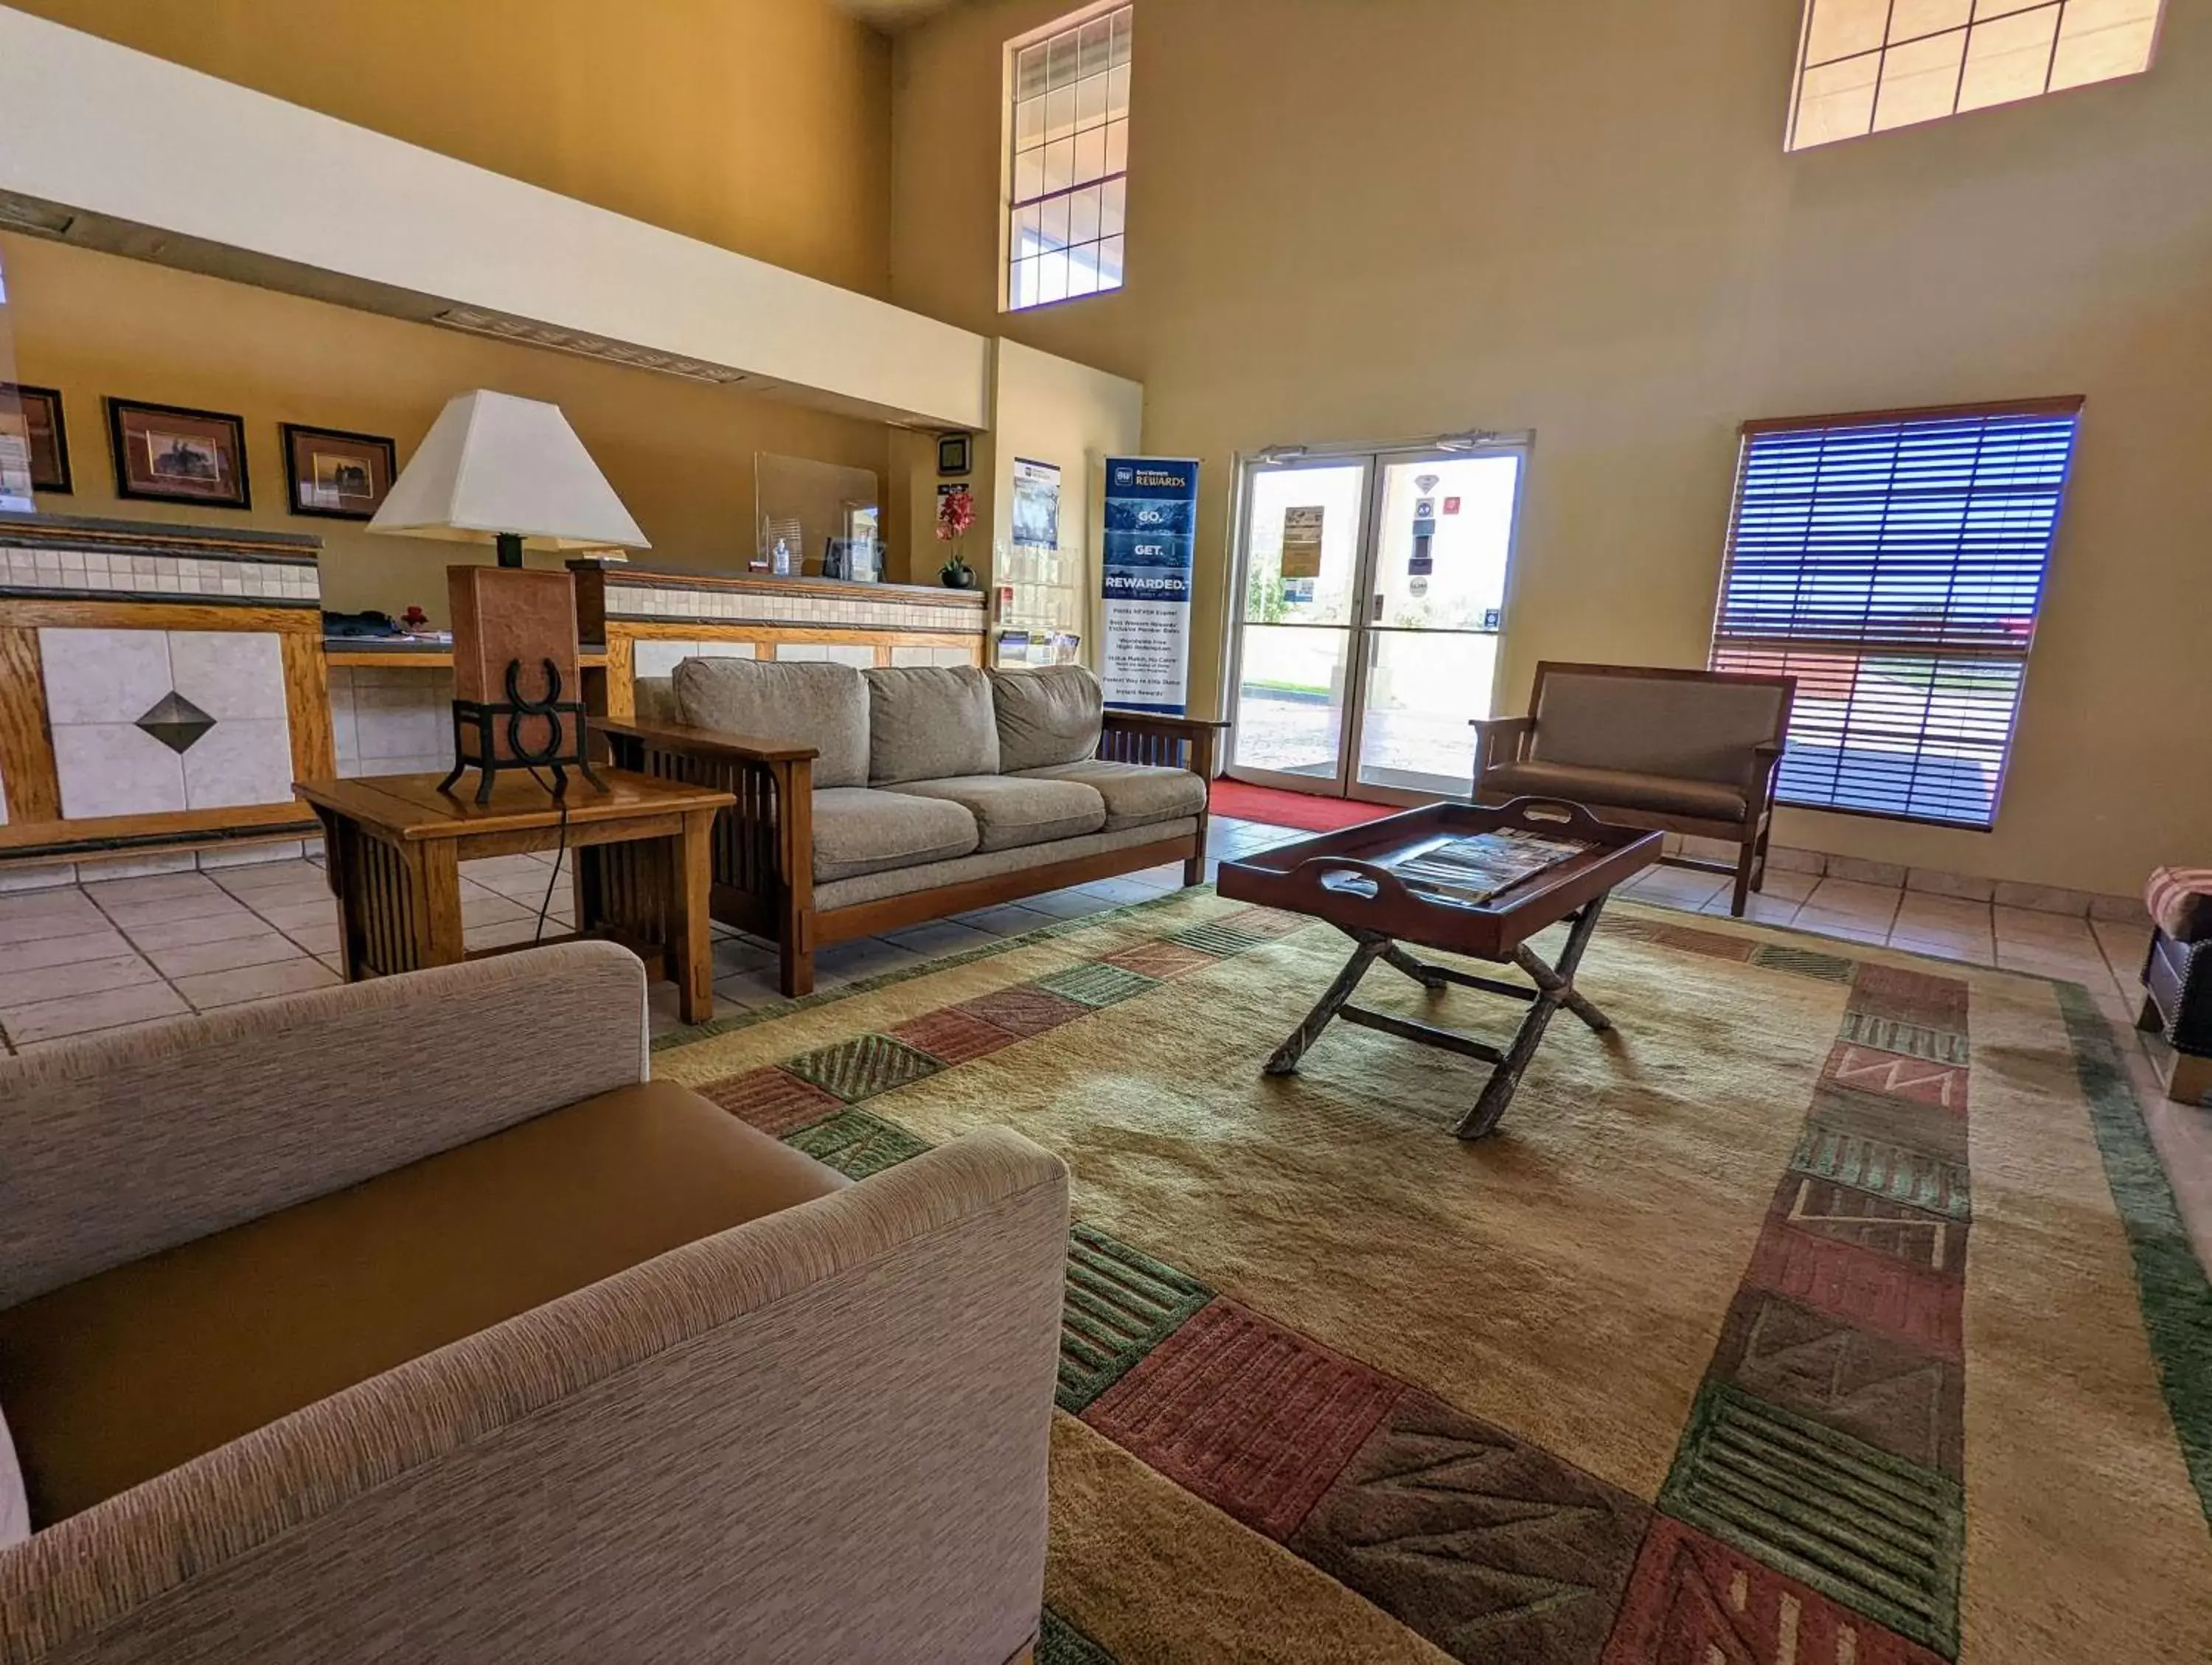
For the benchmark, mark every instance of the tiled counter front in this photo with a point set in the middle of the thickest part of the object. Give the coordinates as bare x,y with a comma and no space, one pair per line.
160,686
652,620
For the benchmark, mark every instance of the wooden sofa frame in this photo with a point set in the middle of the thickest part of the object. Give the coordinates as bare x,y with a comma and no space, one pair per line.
1505,740
763,848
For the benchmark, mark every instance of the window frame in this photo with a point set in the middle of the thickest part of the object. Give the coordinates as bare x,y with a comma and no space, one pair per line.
1802,66
1008,116
2071,406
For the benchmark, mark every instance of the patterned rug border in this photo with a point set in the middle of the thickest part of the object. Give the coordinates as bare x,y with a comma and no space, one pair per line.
822,997
690,1034
2172,1288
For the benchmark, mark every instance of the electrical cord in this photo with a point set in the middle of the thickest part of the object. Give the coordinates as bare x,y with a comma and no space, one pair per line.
559,794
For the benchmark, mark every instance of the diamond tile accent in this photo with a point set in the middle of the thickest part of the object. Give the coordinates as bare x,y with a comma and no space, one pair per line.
1119,1305
857,1144
863,1066
1254,1417
1883,1536
176,722
1097,984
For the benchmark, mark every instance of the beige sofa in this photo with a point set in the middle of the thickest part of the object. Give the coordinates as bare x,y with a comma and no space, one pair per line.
411,1321
869,800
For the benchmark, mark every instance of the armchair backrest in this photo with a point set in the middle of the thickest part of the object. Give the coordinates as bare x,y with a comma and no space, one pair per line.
1690,724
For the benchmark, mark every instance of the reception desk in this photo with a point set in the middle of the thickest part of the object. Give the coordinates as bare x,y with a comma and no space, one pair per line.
650,620
162,686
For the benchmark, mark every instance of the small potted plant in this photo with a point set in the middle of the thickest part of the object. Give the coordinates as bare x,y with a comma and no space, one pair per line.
956,514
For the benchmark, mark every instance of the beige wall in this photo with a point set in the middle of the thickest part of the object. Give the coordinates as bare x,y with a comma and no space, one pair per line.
679,453
1356,221
758,124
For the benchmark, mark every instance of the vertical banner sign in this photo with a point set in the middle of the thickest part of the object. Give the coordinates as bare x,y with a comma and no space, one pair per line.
1152,532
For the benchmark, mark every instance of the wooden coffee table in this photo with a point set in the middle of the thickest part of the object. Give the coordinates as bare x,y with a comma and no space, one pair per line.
396,844
1345,878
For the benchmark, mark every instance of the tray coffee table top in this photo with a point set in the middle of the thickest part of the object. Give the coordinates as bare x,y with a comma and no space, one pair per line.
1345,878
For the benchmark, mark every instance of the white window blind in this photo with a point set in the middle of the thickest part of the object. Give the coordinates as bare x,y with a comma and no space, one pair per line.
1893,563
1067,169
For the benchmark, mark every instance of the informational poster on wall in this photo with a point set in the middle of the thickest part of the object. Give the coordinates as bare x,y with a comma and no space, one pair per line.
1037,504
1301,553
1152,532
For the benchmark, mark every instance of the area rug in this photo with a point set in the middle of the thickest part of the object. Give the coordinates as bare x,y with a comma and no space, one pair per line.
1302,810
1834,1311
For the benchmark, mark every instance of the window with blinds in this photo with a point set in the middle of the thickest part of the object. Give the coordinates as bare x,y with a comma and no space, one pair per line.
1068,96
1893,563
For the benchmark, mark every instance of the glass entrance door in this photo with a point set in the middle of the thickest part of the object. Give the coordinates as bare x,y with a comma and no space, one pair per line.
1372,605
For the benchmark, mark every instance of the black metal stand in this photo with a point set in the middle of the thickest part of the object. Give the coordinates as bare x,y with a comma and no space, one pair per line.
1554,987
567,743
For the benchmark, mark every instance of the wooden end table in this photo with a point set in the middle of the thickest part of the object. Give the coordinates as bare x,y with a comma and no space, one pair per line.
396,844
1345,878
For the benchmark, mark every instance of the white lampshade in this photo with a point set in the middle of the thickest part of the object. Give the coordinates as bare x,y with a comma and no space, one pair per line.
493,463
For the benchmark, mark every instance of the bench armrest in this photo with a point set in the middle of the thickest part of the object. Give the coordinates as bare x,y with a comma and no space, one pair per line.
1148,736
1498,741
677,739
1759,777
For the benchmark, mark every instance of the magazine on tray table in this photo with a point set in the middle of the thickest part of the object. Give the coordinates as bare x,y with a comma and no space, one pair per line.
1468,872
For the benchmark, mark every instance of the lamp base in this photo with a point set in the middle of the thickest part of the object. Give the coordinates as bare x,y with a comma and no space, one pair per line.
477,736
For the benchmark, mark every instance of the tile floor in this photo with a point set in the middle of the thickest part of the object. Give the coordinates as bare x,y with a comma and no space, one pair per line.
104,955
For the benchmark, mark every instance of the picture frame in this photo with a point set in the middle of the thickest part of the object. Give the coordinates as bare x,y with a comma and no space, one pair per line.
956,455
40,430
170,454
336,475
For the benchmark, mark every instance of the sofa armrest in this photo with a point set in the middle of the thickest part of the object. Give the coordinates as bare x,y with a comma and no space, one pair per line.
666,1464
1498,741
121,1146
1145,737
677,739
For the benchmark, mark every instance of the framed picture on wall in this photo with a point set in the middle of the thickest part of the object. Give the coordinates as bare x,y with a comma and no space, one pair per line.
31,429
956,455
341,476
166,453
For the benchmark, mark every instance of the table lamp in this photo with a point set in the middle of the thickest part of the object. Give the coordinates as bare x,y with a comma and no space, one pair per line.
513,472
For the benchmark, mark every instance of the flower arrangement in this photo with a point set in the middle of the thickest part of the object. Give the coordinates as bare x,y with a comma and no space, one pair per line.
956,512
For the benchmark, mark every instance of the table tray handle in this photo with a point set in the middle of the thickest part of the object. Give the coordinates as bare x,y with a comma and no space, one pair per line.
1552,815
1372,884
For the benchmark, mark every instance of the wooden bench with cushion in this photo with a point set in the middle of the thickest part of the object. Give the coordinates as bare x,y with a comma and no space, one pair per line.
870,800
1687,751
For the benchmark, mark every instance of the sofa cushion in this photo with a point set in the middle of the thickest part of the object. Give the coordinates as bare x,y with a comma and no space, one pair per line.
930,723
1619,788
859,830
800,703
1052,715
1013,811
1136,795
121,1376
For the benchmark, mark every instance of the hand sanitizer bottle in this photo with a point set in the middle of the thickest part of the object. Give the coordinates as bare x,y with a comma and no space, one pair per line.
781,559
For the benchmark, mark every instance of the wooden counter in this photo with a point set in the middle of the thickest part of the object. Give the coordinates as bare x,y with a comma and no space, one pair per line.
650,621
160,686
